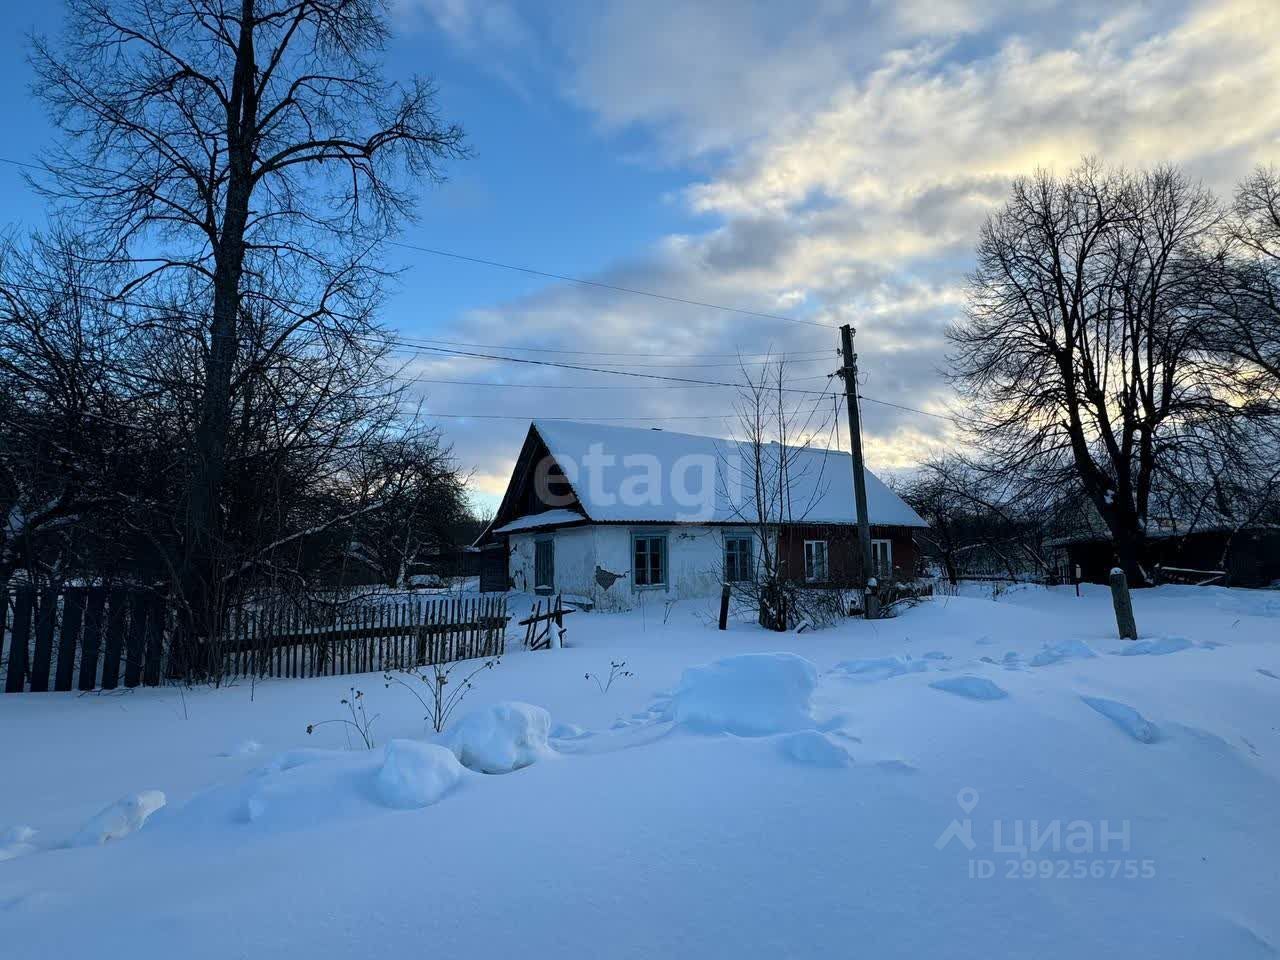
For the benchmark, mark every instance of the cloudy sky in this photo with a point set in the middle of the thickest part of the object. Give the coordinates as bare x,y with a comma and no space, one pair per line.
827,161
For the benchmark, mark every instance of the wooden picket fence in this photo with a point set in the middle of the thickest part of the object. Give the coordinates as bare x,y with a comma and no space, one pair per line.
302,641
94,638
86,638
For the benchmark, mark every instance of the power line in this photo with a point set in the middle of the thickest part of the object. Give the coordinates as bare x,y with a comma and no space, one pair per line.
775,357
621,373
524,418
561,386
418,344
899,406
416,349
531,271
607,286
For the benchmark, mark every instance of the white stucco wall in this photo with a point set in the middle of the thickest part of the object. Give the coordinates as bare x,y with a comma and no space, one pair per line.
695,555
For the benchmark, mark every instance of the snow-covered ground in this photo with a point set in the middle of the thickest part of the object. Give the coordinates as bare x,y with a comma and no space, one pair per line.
972,779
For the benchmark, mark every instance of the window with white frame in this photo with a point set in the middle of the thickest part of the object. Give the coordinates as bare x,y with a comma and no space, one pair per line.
882,559
649,560
738,566
815,561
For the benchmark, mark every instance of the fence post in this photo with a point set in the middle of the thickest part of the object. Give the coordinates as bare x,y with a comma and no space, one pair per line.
68,637
724,607
16,680
1123,603
133,644
154,646
46,618
92,642
115,639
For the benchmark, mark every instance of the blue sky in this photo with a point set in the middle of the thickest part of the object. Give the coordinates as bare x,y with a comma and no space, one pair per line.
830,160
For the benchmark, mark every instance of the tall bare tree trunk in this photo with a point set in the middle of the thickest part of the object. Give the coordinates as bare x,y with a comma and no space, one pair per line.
199,563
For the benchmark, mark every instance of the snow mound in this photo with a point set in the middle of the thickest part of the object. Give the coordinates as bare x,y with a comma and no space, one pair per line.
1062,650
973,688
416,774
120,819
243,749
300,789
501,738
1156,647
1126,718
810,748
896,765
751,695
16,842
881,668
292,759
567,731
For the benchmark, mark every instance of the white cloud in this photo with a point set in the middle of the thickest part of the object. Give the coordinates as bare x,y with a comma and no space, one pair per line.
850,157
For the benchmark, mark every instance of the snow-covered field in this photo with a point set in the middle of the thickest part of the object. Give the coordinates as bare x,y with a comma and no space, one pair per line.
972,779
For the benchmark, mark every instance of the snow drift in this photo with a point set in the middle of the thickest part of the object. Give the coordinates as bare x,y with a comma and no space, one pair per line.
1062,650
501,738
416,774
1126,718
120,819
881,668
16,842
970,687
810,748
752,695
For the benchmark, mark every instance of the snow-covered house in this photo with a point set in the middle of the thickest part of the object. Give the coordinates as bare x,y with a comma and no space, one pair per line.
611,513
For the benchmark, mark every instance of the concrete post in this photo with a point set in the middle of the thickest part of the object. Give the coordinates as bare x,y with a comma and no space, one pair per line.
1121,600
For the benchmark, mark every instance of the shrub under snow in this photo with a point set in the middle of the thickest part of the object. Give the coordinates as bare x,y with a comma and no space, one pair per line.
416,774
752,695
501,738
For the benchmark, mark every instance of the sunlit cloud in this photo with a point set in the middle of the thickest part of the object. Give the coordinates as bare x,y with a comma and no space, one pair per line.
845,164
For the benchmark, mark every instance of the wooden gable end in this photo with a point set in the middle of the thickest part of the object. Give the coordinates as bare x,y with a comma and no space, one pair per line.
537,484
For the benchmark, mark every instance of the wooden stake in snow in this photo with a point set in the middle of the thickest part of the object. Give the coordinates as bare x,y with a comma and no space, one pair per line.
724,607
1123,604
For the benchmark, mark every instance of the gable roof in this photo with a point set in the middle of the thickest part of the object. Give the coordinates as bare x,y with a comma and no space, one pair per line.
820,481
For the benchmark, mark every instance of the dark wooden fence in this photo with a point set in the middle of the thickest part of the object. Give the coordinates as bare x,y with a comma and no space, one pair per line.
84,638
94,638
313,641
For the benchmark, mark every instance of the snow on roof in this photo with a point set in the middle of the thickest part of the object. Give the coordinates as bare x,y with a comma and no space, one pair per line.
600,461
548,518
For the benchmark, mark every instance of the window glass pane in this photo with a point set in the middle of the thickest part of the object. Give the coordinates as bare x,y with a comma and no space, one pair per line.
815,559
650,561
737,558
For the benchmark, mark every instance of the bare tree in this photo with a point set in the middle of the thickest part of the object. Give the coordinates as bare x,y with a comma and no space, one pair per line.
66,410
1249,302
1081,355
244,158
421,500
773,481
969,511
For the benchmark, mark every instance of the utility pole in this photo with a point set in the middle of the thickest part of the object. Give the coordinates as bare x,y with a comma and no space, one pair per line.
871,602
